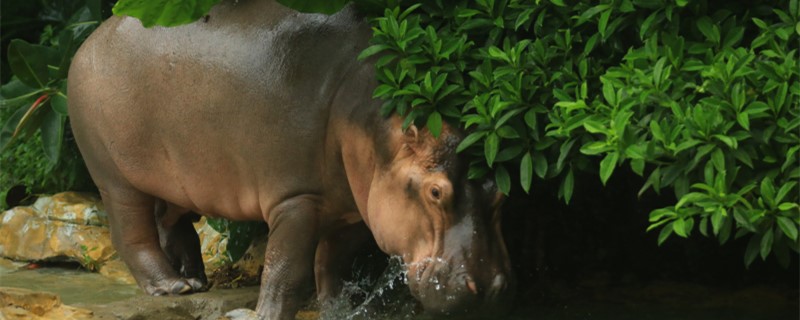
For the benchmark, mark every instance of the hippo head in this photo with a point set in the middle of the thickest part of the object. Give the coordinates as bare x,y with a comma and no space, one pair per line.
446,227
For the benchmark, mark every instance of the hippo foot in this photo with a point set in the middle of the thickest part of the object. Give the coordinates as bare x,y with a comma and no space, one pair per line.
176,286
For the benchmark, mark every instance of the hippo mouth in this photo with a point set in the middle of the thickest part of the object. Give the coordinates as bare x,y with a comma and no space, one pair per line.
442,289
449,290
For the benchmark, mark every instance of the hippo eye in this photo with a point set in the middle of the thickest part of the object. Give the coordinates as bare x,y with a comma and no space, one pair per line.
436,193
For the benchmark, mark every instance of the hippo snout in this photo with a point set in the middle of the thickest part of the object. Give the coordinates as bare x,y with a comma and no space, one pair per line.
457,293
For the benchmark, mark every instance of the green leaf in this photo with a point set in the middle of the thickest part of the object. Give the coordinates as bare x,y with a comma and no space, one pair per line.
595,147
607,166
603,22
594,127
470,140
788,226
717,219
59,100
744,120
752,250
508,153
52,134
784,190
559,3
704,226
608,93
637,165
530,118
29,62
503,179
655,129
170,13
718,159
568,185
730,142
490,147
498,54
526,172
683,227
768,191
786,206
658,69
67,45
563,153
725,231
540,165
658,214
709,29
7,133
372,50
766,244
434,124
591,12
32,115
666,231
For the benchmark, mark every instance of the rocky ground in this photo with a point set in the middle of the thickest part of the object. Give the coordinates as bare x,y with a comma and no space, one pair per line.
72,229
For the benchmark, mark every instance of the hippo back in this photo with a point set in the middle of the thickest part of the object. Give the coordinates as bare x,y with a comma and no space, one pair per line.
242,97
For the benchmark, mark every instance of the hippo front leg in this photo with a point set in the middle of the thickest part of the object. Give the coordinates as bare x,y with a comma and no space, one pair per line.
334,259
288,277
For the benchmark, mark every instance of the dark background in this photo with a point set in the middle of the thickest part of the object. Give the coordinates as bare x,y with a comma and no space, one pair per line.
596,251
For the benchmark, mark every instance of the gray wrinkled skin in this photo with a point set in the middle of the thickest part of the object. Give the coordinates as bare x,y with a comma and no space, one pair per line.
262,113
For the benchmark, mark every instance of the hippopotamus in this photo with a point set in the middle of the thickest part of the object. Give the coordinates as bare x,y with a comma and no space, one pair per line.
258,112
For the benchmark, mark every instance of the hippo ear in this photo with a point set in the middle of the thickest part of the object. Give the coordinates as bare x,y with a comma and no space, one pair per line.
411,134
412,138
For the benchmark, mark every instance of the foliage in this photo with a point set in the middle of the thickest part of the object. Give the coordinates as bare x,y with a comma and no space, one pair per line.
239,234
87,261
172,13
697,96
164,12
37,147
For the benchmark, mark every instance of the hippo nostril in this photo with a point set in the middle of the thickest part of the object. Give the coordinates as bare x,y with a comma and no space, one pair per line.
471,284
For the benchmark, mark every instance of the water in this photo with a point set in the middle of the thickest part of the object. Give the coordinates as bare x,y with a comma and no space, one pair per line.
73,285
385,296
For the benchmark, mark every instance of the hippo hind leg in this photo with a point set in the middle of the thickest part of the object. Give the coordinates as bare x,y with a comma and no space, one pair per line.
181,244
135,235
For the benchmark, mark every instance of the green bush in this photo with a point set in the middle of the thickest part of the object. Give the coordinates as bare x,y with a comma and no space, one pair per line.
698,96
38,150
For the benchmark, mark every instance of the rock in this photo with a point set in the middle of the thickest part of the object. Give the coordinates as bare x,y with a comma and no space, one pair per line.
8,266
117,270
27,234
26,304
212,245
72,207
71,226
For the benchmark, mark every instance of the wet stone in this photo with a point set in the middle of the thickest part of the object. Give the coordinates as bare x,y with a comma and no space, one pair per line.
65,227
73,227
18,303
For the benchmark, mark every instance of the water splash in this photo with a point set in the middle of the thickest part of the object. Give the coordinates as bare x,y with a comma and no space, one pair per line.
369,297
